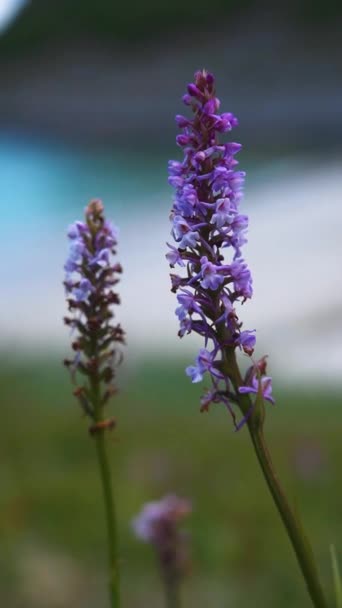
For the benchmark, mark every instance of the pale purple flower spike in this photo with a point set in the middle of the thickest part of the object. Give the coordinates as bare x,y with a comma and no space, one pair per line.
206,222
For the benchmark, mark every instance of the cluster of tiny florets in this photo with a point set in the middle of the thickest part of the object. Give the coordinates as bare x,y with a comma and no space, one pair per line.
206,226
90,278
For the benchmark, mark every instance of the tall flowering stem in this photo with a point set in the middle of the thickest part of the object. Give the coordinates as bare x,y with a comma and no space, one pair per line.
207,226
89,282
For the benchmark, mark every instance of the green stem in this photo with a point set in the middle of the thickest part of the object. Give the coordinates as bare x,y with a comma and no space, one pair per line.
292,525
294,530
108,497
172,595
110,518
336,577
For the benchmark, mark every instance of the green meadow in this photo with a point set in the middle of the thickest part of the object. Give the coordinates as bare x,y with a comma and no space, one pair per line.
52,550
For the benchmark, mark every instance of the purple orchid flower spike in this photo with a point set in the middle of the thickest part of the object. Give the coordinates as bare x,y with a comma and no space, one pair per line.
209,233
207,226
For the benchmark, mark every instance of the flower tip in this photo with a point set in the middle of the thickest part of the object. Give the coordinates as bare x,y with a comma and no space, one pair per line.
262,365
203,78
94,207
210,78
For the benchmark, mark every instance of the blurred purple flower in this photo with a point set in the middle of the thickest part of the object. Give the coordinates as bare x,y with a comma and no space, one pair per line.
148,525
89,280
158,523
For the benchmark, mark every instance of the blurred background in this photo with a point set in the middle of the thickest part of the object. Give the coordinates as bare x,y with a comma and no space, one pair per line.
89,91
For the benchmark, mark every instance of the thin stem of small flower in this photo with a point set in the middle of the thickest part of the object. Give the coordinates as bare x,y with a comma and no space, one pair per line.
111,519
336,577
108,497
172,592
298,539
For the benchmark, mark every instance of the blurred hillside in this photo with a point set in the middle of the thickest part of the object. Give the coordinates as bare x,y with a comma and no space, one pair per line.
104,71
41,21
109,21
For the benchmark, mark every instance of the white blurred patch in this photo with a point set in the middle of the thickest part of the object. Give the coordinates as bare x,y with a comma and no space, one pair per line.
8,11
294,252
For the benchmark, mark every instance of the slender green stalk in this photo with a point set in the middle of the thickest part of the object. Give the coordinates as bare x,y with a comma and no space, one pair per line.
299,541
172,593
293,527
108,497
110,518
336,577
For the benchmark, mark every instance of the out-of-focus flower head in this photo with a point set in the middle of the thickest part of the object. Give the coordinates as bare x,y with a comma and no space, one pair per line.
158,523
90,279
160,514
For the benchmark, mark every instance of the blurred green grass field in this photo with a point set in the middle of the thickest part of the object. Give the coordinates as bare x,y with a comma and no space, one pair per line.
52,551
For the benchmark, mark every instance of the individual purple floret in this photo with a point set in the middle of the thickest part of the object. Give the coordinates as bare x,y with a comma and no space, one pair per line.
265,387
209,232
90,276
158,523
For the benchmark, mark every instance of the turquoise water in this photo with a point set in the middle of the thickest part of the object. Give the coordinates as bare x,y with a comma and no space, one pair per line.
42,180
